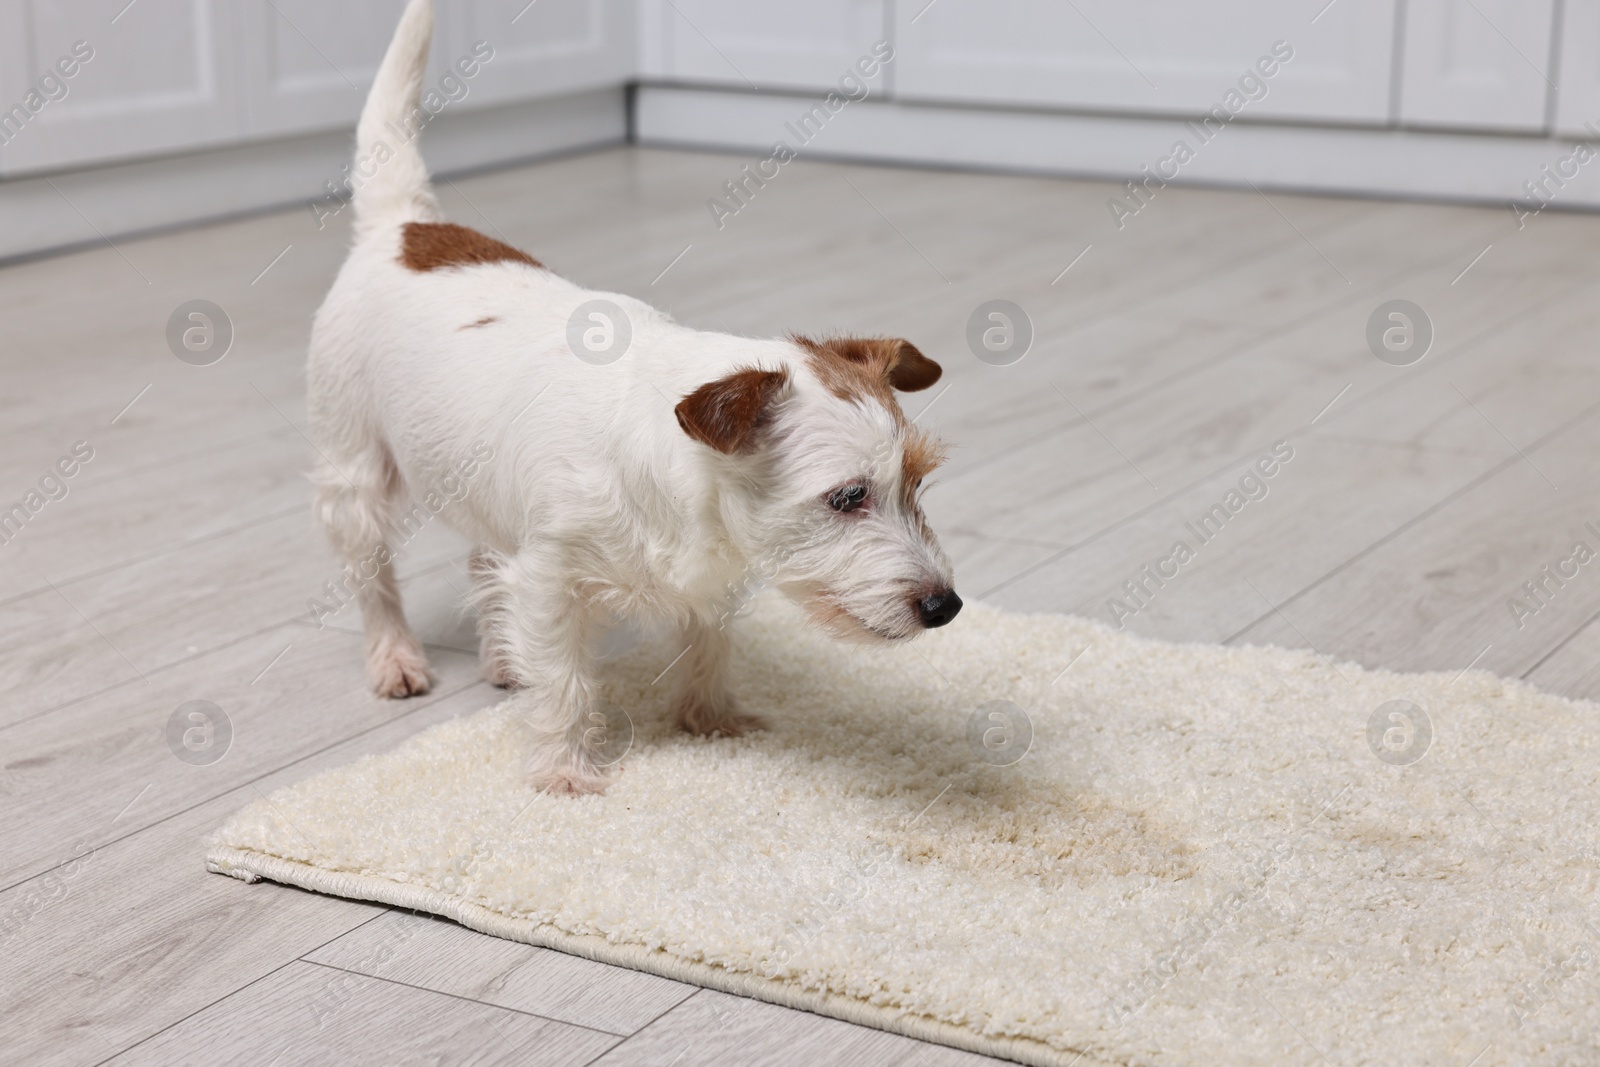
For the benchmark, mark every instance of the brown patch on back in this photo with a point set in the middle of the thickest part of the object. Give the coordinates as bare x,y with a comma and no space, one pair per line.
485,321
426,246
727,413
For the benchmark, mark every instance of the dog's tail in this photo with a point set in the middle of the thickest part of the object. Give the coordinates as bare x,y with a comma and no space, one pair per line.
386,137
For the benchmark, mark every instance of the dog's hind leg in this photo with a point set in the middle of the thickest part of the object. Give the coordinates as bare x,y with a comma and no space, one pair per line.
356,502
489,601
703,704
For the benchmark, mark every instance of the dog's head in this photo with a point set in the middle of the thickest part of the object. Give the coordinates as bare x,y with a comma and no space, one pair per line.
823,475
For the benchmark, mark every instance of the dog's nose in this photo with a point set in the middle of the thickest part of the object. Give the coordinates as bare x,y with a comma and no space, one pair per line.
938,609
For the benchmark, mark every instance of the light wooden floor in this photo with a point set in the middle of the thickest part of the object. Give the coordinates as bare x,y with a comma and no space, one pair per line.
1167,358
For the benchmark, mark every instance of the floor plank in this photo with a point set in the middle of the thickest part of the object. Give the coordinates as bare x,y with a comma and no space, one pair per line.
199,594
106,523
101,768
137,935
1435,596
315,1014
437,954
1319,508
1572,666
1348,493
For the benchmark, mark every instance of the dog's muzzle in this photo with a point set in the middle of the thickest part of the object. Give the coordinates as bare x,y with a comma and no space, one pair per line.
938,608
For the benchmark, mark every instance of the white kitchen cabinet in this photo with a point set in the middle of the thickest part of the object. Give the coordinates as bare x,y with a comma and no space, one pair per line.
540,48
160,79
1578,65
1479,64
1154,56
307,64
765,44
170,75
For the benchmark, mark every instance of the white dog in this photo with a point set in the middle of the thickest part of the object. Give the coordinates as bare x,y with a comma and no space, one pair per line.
651,487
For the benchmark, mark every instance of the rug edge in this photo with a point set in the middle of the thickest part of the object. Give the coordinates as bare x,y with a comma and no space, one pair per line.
250,866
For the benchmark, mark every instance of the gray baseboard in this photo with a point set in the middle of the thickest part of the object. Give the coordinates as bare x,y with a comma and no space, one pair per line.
1486,168
54,211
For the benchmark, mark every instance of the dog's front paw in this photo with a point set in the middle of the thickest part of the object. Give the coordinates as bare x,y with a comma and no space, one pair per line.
570,783
715,718
397,668
564,771
495,665
498,673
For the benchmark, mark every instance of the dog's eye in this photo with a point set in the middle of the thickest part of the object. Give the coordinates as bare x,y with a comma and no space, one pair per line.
847,497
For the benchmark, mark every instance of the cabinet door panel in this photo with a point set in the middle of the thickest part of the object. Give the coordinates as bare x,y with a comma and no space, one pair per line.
1578,99
767,44
308,64
1481,64
1163,56
161,79
543,48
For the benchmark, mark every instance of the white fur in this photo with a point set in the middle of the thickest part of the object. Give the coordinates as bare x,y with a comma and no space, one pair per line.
593,500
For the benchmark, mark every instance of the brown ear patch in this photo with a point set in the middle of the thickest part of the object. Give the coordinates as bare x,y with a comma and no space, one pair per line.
426,246
912,371
727,413
851,367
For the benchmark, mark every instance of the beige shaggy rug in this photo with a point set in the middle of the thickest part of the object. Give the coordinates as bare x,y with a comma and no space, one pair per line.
1032,837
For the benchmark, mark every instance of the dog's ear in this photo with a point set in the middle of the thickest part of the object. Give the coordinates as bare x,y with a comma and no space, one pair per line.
849,362
911,371
727,413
